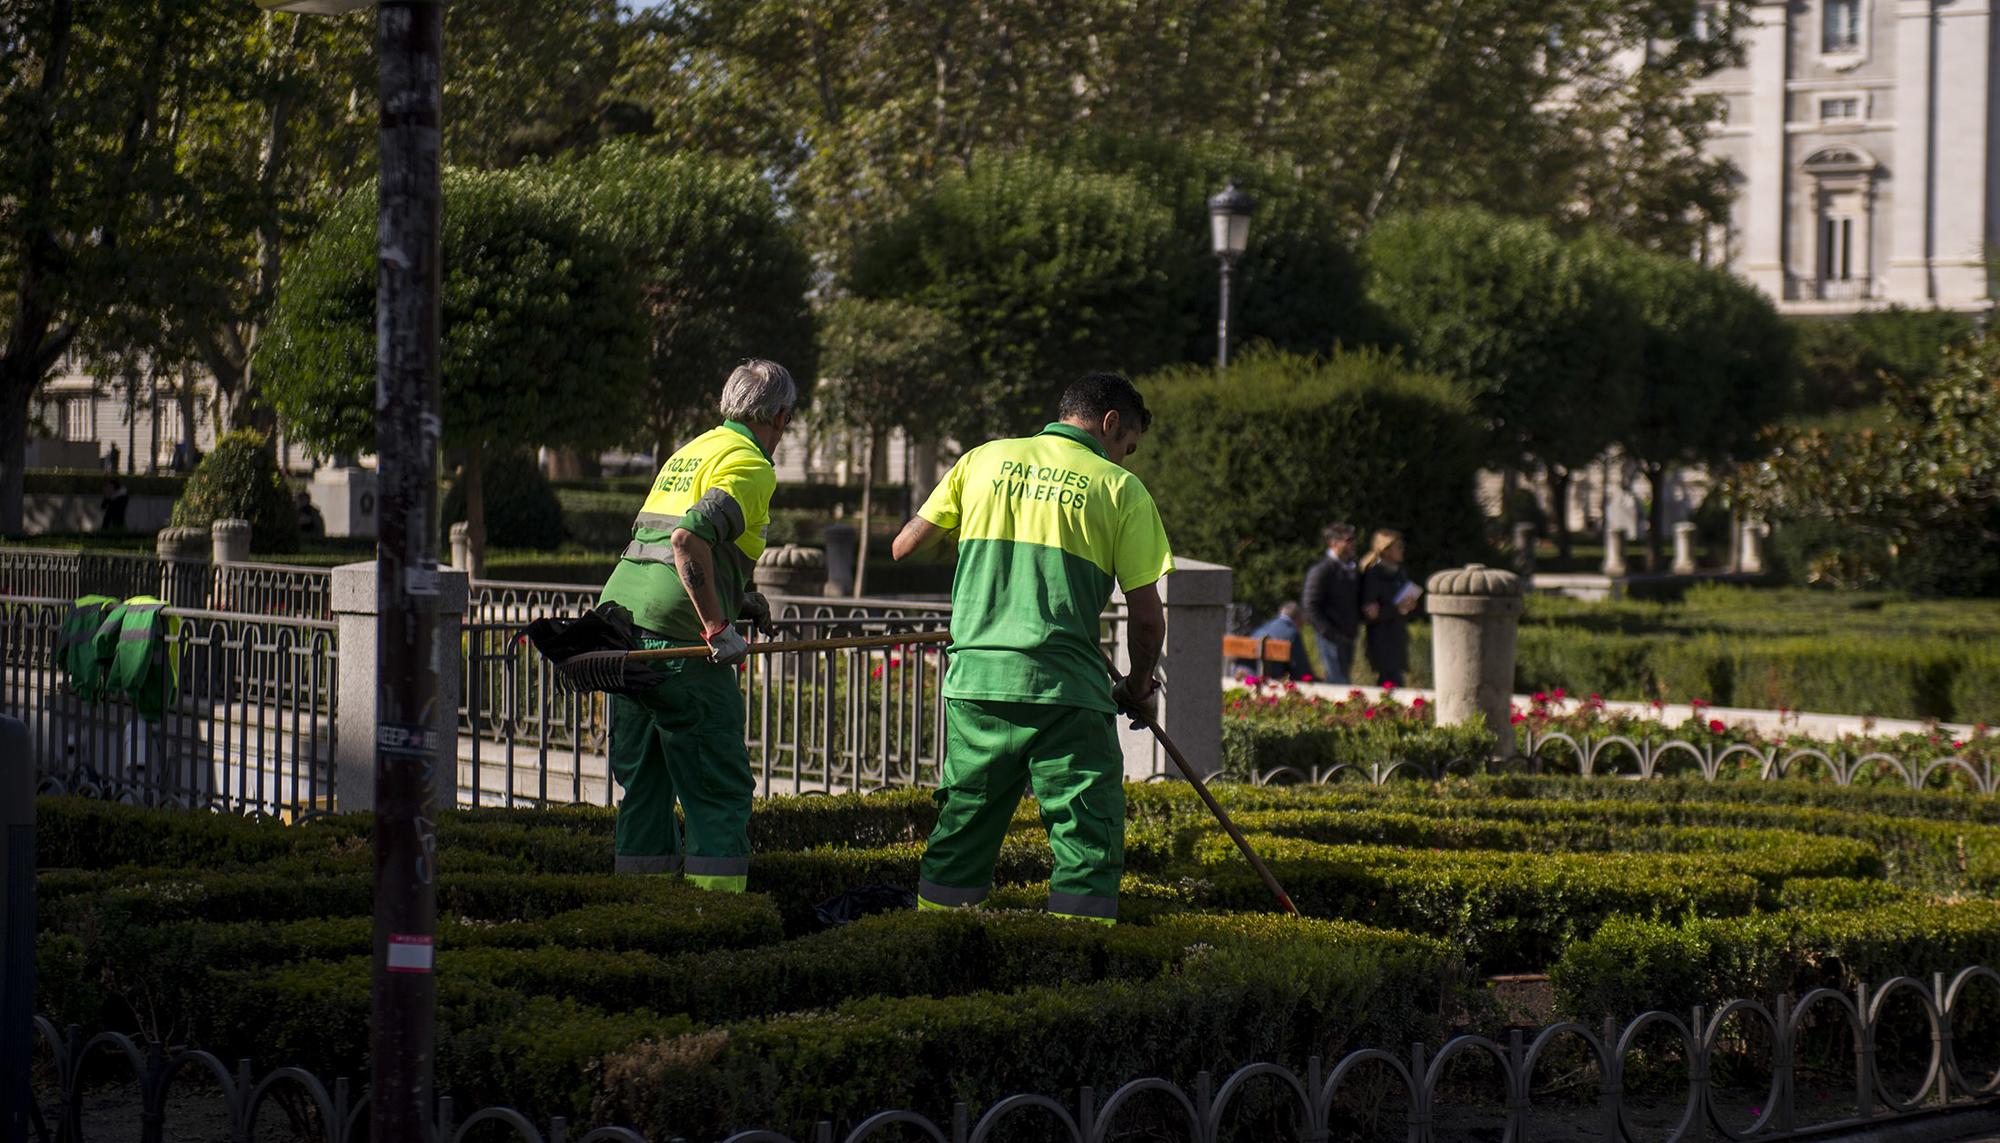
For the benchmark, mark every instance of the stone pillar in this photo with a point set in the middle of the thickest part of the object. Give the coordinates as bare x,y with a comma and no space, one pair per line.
1614,552
1761,211
461,547
183,556
1197,597
230,541
1474,612
355,612
1910,249
1524,549
1750,558
346,498
791,570
839,558
1962,225
1684,548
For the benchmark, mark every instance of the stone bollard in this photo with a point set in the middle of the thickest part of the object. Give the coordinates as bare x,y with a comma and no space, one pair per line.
1684,548
791,570
230,541
840,540
183,556
1474,612
461,547
1524,549
1614,552
1197,598
1750,557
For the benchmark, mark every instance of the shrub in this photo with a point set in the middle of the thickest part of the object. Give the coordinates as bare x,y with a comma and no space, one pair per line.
522,510
240,481
1247,468
1228,1001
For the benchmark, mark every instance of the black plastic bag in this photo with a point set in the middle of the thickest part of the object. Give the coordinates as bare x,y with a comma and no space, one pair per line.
864,900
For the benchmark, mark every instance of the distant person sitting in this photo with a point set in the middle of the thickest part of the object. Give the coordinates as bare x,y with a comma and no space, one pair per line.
116,498
1283,627
312,525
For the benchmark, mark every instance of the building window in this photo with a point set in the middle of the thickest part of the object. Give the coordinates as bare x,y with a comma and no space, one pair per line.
1836,248
1841,107
79,419
1842,30
1704,23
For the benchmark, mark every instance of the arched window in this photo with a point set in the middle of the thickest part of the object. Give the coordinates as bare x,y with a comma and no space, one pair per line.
1842,179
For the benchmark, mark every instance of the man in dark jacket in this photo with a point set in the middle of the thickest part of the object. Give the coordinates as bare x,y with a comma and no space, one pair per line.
1332,599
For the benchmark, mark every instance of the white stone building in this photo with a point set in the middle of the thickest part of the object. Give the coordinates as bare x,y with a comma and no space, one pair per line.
1865,136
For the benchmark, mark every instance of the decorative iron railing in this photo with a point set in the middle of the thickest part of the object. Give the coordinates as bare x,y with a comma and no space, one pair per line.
1817,1087
246,722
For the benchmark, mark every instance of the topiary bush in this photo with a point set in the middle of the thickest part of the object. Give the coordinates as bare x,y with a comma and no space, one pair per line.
522,508
1248,466
240,480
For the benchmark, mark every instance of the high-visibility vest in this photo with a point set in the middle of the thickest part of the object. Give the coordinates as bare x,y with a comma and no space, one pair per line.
129,649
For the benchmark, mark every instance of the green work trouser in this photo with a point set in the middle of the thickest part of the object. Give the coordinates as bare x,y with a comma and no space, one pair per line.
684,740
993,751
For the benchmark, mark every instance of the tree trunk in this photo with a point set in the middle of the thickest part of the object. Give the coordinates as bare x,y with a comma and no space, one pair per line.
867,512
475,509
13,458
1656,516
1559,482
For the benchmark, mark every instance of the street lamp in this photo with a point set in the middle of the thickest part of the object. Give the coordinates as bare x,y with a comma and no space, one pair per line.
409,47
1229,231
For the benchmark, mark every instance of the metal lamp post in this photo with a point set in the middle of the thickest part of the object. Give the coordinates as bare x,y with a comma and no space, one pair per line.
1229,231
409,44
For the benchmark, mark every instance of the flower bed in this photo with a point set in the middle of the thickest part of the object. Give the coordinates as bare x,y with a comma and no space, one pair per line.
1276,731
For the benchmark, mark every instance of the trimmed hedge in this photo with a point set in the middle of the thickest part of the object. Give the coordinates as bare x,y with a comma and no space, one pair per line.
1227,1000
1631,964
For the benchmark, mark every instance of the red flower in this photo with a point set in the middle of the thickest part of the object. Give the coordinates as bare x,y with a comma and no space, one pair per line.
876,673
1958,744
1305,678
1540,697
1388,685
1559,694
1369,713
1715,724
1517,718
1417,703
1697,704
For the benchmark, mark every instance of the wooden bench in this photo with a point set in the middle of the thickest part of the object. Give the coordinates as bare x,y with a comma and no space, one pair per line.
1237,648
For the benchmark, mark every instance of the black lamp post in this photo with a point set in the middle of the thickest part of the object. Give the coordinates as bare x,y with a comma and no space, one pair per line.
409,46
1229,230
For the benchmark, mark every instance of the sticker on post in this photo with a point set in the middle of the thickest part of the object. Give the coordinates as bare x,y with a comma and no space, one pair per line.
409,952
420,581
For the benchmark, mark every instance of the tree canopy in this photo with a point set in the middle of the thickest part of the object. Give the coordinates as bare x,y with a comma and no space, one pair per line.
720,273
1048,270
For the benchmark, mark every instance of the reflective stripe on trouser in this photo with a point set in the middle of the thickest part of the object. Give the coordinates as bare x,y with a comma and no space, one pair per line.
931,896
664,863
683,742
993,752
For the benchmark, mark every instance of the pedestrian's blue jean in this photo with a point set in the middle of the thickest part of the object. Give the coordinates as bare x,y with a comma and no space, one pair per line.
1336,657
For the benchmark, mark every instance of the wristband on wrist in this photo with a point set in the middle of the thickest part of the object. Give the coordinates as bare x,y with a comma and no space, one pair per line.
710,631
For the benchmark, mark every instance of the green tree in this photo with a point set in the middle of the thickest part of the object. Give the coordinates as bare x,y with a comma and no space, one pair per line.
1845,363
1532,324
1925,481
721,275
1049,271
884,365
1248,467
1714,370
1537,106
544,341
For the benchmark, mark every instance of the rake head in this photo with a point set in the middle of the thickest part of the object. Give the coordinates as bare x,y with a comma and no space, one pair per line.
589,653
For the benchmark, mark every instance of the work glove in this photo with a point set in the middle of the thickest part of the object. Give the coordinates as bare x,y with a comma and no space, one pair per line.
1142,706
726,647
757,610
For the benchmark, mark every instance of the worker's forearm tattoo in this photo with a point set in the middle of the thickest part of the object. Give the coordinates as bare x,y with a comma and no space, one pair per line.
693,574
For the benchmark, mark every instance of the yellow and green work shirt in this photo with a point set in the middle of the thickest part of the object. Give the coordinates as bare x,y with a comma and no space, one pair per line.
1046,525
718,487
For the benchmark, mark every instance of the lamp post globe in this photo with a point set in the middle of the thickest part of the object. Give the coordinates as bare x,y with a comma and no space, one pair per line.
1229,214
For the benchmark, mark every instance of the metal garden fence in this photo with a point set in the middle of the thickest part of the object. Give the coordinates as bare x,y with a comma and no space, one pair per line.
282,590
1420,1096
246,722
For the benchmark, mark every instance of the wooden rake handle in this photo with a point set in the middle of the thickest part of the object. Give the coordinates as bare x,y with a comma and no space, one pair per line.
699,651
